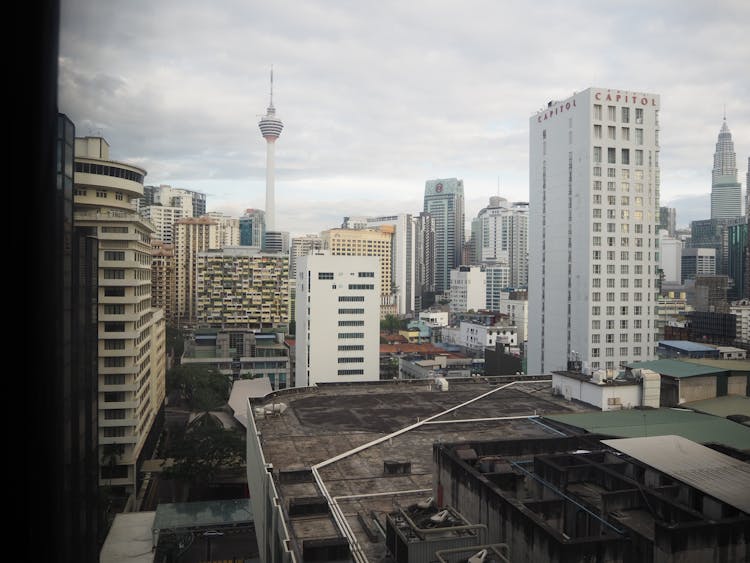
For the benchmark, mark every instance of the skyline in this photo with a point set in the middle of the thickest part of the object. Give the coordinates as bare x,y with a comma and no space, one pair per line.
378,101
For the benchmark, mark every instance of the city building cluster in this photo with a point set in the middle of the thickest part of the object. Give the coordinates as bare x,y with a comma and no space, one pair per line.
587,295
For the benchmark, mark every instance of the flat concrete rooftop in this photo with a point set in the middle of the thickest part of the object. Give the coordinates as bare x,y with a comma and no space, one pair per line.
394,425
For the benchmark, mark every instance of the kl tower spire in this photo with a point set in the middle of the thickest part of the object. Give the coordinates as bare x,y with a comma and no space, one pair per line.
270,128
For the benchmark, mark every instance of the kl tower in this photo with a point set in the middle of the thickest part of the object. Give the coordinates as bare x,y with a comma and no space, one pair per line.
270,128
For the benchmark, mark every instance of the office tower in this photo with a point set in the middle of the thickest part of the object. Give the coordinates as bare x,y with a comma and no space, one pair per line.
270,128
594,186
66,292
668,220
238,287
403,252
726,191
191,202
712,233
501,231
192,235
670,258
252,227
424,262
737,245
131,331
229,228
697,262
444,201
276,241
338,331
163,288
468,289
367,242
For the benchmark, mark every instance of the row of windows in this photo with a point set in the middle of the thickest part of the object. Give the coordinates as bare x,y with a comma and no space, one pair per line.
624,228
625,214
610,352
624,296
350,298
624,255
118,255
351,311
351,323
624,200
111,274
610,324
351,334
624,133
610,338
351,360
351,347
325,275
366,274
624,282
596,310
114,229
114,309
351,372
624,114
104,170
361,286
114,291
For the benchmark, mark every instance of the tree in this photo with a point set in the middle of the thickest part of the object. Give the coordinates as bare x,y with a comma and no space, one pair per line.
204,449
203,388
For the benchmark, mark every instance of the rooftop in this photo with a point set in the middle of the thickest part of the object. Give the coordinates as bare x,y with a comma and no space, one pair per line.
725,406
687,345
367,448
677,368
632,423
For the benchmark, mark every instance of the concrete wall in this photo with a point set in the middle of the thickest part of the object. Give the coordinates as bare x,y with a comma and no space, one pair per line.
598,395
697,388
737,385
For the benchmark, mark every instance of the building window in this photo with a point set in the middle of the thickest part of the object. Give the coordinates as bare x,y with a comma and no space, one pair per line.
611,132
351,372
114,344
611,155
638,136
347,360
597,154
114,255
114,379
114,309
625,133
110,274
625,114
100,193
625,156
597,131
597,111
366,274
639,116
351,298
325,275
612,113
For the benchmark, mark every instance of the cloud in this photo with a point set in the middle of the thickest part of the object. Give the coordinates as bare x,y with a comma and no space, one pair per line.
376,100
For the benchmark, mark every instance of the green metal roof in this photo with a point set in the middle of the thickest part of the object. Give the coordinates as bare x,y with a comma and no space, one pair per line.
726,365
634,423
721,406
676,368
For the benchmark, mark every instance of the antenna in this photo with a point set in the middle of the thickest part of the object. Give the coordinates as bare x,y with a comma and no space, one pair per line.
271,85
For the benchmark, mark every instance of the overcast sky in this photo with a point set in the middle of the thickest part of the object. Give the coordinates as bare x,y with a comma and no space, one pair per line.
377,97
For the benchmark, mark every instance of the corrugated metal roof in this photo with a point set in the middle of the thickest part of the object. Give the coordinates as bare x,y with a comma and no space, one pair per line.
716,474
721,406
687,345
728,365
631,423
676,368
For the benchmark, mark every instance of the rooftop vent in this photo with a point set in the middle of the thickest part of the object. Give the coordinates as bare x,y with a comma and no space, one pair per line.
396,467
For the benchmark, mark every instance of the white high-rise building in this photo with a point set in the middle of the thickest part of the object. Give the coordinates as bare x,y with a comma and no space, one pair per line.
468,290
726,191
337,319
229,228
501,230
670,257
593,256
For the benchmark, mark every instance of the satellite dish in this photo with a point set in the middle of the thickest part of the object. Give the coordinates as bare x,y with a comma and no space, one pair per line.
439,517
425,504
478,557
